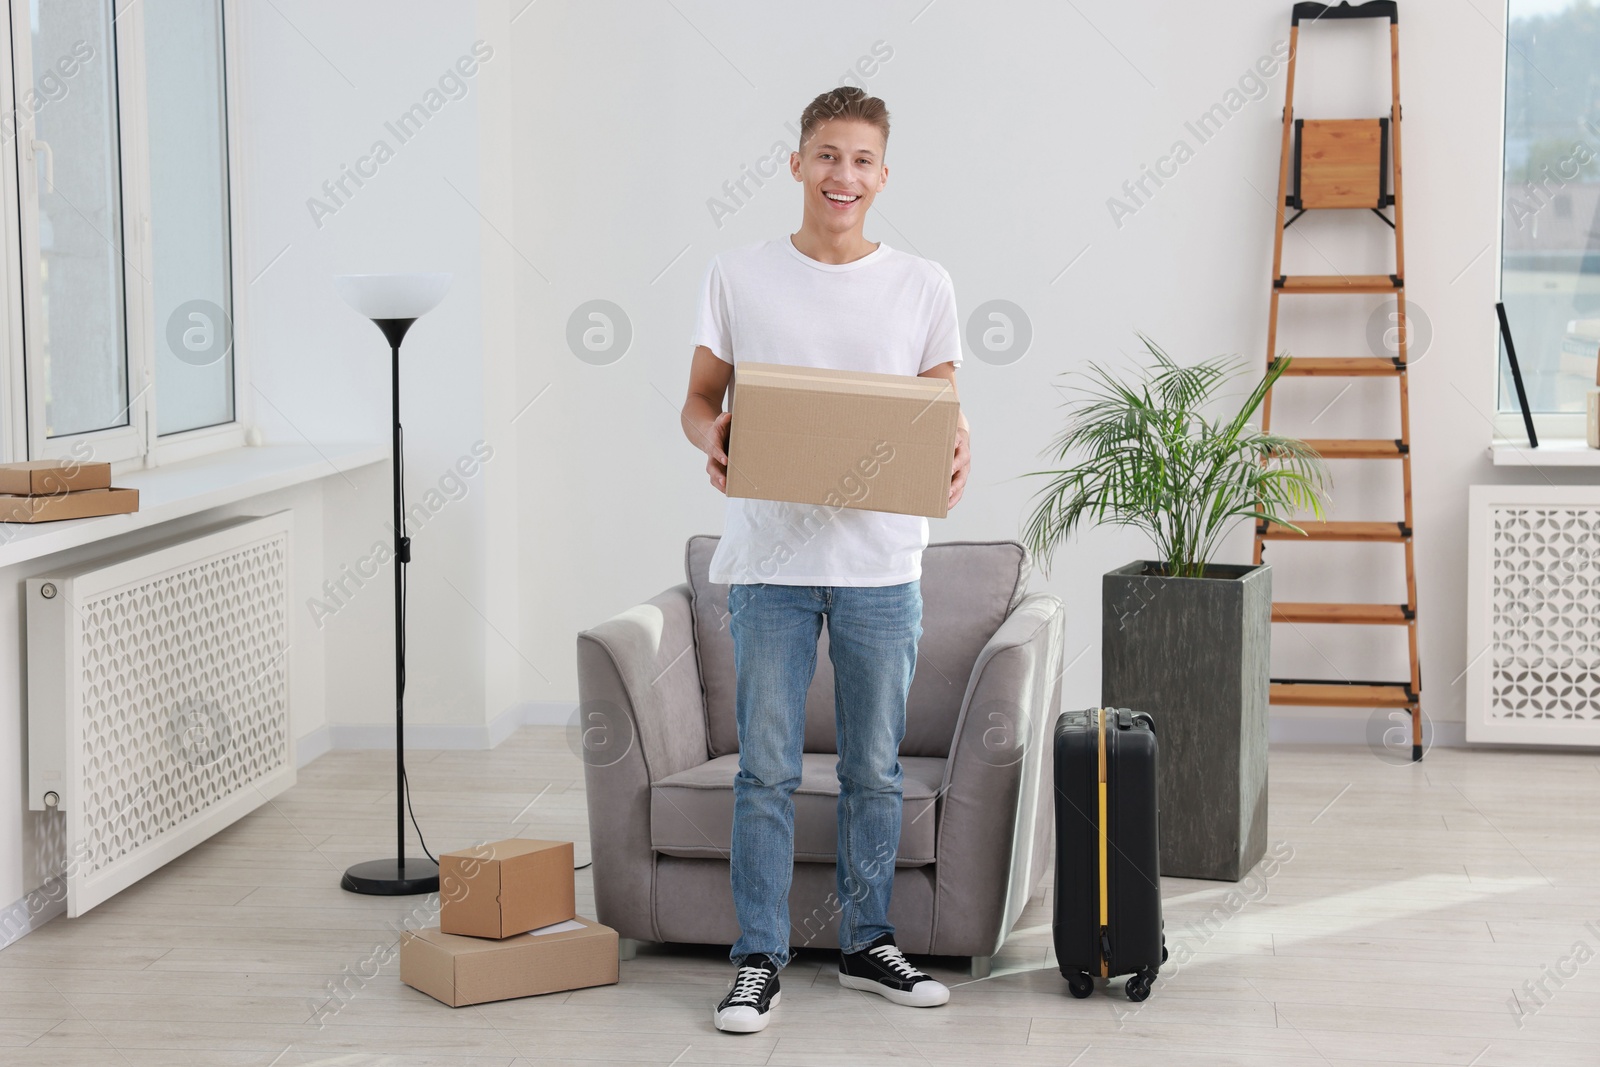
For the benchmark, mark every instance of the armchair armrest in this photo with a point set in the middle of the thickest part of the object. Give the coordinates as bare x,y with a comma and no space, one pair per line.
992,818
642,716
641,663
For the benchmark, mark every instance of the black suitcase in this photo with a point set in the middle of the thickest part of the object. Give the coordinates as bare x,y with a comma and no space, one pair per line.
1107,918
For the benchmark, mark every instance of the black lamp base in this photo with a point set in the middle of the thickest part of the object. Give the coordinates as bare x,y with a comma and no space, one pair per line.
392,878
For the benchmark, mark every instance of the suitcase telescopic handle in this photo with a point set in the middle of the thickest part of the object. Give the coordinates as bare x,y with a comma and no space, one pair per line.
1127,717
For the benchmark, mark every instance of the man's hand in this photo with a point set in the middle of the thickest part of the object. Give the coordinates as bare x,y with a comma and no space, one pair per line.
704,421
960,466
962,460
717,451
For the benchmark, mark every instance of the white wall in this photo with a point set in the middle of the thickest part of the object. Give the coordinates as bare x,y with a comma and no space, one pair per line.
1013,126
325,83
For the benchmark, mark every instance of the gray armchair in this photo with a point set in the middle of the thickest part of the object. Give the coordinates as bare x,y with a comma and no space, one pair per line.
656,691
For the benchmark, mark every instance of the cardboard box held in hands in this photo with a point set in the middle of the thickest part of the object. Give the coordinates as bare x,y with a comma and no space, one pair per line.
841,438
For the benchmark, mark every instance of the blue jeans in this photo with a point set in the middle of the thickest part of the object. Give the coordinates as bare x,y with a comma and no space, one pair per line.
872,641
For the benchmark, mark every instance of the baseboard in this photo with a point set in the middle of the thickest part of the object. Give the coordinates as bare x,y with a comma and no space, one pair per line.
439,735
548,712
418,735
1349,730
318,742
530,713
30,913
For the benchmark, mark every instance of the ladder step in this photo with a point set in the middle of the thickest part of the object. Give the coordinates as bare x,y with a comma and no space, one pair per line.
1338,283
1352,614
1335,531
1342,367
1306,694
1358,448
1341,163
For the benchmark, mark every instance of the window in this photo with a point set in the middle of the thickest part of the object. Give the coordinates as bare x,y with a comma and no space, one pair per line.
188,136
124,298
1550,219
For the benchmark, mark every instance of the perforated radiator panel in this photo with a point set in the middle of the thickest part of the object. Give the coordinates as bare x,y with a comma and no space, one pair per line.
1534,615
159,698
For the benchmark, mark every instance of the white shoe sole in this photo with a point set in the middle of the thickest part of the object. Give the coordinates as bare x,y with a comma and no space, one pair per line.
745,1024
931,999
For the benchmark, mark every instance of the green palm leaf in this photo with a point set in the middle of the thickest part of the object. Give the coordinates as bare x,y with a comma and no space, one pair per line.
1144,454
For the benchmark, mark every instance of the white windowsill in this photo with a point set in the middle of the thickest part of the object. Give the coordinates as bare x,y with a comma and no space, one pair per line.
1552,452
194,485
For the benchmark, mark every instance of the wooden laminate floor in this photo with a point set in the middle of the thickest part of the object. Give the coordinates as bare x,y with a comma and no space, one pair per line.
1445,913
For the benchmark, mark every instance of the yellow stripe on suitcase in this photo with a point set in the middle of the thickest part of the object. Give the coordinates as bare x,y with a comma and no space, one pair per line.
1105,896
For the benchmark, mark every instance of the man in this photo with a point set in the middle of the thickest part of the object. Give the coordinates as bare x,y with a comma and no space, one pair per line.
822,297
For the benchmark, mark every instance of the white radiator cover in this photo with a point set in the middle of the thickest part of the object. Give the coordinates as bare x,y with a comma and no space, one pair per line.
158,698
1533,615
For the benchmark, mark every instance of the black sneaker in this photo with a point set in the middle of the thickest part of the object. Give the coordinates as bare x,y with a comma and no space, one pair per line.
883,969
748,1006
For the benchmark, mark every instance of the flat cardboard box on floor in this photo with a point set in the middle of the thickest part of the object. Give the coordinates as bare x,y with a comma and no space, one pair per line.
78,504
40,477
842,438
458,970
506,888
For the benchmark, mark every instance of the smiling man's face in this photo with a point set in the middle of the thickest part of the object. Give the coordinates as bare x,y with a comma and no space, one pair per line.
842,170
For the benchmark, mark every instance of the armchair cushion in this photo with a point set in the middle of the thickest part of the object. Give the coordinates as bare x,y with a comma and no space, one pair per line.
691,812
968,590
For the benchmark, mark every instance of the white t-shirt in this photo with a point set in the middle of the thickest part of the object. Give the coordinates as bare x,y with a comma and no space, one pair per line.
889,312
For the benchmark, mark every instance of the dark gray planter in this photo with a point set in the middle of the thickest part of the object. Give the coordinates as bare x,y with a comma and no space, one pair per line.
1193,652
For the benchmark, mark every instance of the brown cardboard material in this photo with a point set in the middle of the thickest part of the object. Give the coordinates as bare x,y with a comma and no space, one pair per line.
40,477
471,970
506,888
841,438
79,504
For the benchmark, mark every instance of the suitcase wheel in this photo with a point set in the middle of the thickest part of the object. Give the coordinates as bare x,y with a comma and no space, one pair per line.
1079,984
1138,987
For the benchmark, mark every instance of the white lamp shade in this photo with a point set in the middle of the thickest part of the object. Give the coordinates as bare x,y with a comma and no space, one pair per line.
392,296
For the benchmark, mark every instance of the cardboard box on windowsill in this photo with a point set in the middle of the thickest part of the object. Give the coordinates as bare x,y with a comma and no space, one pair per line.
45,477
76,504
506,888
460,970
839,438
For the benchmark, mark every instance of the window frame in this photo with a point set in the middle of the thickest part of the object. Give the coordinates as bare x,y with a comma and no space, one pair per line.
13,375
136,445
1507,423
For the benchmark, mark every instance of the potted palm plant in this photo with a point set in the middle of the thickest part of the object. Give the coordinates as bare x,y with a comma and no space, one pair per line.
1184,637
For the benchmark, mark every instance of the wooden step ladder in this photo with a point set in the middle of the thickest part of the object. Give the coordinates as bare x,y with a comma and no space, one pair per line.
1345,164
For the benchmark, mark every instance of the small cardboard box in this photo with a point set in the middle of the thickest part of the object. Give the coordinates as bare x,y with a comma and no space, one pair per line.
78,504
470,970
506,888
840,438
41,477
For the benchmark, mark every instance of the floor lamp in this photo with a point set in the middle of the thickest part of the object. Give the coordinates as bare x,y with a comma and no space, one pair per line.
393,302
